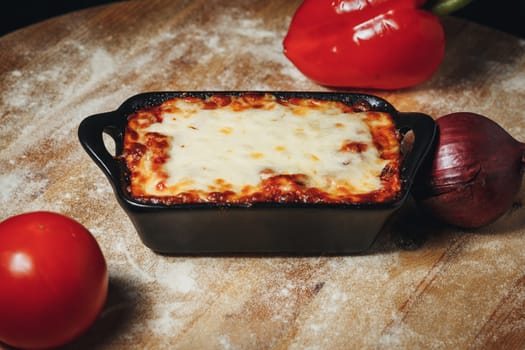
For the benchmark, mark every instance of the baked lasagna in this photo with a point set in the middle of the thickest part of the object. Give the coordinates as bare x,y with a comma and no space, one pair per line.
261,148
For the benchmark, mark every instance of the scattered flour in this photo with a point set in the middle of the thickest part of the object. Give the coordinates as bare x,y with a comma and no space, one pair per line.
178,277
18,185
514,83
166,320
9,185
224,342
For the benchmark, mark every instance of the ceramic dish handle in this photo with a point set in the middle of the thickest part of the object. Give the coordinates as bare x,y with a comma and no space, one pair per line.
424,131
90,134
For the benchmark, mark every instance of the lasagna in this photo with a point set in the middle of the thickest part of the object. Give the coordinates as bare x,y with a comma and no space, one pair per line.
253,148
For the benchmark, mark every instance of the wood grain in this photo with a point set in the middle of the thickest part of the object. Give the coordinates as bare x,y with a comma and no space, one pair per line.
423,285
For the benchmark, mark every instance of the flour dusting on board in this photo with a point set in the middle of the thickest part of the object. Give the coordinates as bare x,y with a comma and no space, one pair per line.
177,277
20,184
514,83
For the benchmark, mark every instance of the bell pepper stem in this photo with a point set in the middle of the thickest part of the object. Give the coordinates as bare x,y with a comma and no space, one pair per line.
445,7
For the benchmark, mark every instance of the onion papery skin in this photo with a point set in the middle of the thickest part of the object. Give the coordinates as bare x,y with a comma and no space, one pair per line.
474,173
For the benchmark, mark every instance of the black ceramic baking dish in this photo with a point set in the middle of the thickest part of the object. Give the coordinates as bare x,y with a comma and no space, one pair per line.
260,228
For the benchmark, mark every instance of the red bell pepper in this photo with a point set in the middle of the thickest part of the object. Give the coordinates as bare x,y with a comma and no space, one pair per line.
379,44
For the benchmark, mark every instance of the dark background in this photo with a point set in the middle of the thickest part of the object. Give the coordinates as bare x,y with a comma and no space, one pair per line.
504,15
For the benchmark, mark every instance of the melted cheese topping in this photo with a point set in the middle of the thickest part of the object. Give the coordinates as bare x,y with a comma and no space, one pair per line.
259,148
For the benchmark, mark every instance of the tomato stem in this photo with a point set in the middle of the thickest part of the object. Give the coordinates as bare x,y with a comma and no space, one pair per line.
445,7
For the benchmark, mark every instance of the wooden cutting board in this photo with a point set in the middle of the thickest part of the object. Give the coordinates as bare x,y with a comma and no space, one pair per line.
423,285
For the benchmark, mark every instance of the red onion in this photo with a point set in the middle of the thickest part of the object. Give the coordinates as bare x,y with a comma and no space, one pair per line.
475,172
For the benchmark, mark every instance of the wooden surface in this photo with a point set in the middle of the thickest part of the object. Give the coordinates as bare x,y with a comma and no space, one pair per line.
422,286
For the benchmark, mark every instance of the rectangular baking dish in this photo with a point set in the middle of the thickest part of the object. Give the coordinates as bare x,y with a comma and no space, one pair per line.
208,228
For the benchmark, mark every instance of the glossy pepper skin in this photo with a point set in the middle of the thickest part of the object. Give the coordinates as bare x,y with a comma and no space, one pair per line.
377,44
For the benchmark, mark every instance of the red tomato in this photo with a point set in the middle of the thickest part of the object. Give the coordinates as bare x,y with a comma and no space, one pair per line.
53,280
380,44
